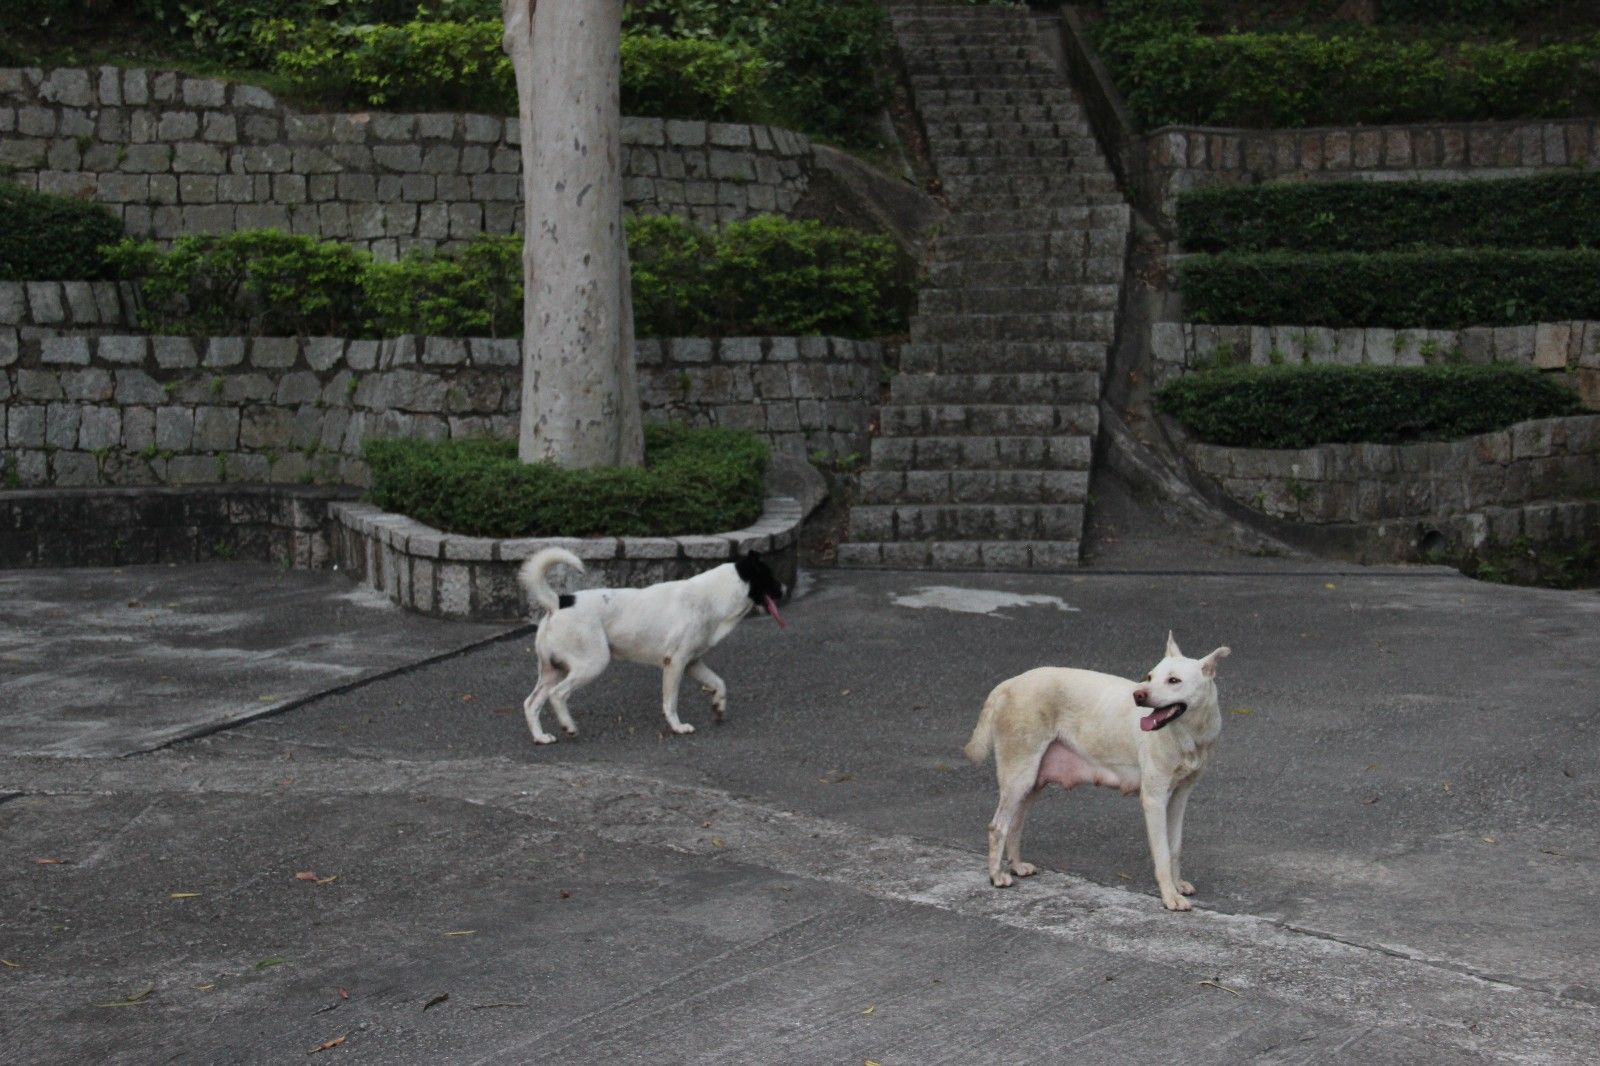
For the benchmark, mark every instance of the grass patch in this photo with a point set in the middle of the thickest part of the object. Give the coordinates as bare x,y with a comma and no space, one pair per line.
1303,406
695,480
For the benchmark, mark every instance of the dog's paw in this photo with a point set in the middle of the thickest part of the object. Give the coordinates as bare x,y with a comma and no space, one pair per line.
1000,880
1176,902
1024,869
572,732
681,728
543,738
1185,888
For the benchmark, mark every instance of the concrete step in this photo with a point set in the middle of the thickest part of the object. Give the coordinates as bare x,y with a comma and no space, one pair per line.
1037,219
1061,386
1038,245
1016,201
1060,184
1003,555
937,115
996,98
1015,299
1003,173
993,419
966,521
1060,326
1067,451
1002,62
891,487
983,357
1104,270
1015,146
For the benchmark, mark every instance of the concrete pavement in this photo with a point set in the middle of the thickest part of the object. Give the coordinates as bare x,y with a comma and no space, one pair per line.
1395,850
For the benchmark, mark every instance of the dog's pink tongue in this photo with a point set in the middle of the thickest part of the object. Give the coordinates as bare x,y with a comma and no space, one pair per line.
1148,722
772,609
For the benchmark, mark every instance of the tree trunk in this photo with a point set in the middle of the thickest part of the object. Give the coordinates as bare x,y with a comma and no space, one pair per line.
580,400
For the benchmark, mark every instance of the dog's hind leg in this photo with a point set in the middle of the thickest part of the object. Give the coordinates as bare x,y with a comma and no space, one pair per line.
580,671
1014,838
1175,808
535,701
712,684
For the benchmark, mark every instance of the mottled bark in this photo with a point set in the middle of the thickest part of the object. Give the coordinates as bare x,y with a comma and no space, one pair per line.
580,399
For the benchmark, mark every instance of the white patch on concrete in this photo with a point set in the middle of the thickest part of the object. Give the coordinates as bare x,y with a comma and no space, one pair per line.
975,601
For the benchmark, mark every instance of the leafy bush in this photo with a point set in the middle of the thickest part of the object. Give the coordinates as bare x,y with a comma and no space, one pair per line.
830,63
475,293
764,276
693,481
1440,288
1472,12
1549,210
442,65
1302,406
1170,73
53,237
249,282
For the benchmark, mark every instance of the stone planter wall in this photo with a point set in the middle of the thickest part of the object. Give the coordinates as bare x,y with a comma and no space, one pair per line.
1179,347
1175,159
286,525
452,576
1398,502
172,154
137,410
44,308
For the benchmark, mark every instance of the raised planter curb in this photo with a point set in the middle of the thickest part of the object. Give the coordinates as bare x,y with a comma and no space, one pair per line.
448,575
1405,502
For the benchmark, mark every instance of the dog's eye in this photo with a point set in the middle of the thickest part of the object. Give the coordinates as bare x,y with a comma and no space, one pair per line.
1173,681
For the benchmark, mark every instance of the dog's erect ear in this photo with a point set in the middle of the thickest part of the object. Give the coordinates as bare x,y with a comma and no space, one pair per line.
1172,647
1208,665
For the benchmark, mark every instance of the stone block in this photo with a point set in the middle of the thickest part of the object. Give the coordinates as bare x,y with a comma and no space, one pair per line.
1550,345
137,387
274,353
91,385
64,350
99,428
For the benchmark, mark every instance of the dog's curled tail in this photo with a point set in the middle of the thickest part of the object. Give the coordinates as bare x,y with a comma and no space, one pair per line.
532,576
982,741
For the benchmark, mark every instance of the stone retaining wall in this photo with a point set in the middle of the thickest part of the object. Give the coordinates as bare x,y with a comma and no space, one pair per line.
286,525
44,308
1179,347
137,410
1399,502
172,154
453,576
1175,159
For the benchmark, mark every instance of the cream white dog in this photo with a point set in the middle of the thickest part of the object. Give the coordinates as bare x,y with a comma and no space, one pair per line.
670,625
1079,727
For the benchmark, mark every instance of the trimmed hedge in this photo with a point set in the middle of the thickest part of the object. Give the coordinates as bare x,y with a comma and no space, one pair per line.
1302,406
695,480
764,276
1437,288
1546,211
1172,74
55,237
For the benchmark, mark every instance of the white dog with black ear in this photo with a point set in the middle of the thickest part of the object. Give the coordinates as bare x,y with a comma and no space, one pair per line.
670,625
1079,727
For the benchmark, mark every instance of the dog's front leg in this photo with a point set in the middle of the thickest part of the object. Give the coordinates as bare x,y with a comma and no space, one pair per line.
714,685
1153,796
672,669
1175,808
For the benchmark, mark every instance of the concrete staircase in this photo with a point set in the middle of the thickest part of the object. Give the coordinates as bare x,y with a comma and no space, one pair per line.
982,458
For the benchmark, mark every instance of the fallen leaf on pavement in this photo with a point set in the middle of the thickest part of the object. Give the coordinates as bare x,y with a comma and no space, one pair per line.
1125,877
343,994
51,862
135,603
716,842
132,1001
436,1000
1329,585
468,697
492,1006
871,1062
182,895
870,1009
205,988
461,932
10,965
271,961
327,1044
565,894
1490,840
1241,710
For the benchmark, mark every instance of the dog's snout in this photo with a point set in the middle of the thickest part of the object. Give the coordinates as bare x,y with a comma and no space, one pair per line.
1140,695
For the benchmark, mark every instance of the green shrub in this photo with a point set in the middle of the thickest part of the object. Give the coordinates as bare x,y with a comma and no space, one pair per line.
1302,406
1439,288
44,237
693,481
1499,13
666,78
475,293
260,282
778,276
1559,210
1170,73
765,276
830,63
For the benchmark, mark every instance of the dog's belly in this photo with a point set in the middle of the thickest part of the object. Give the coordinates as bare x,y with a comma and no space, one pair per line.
1068,767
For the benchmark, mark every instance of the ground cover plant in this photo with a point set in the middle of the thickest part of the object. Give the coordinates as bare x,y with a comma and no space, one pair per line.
1440,288
694,480
53,237
1175,68
1560,210
762,276
1303,406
